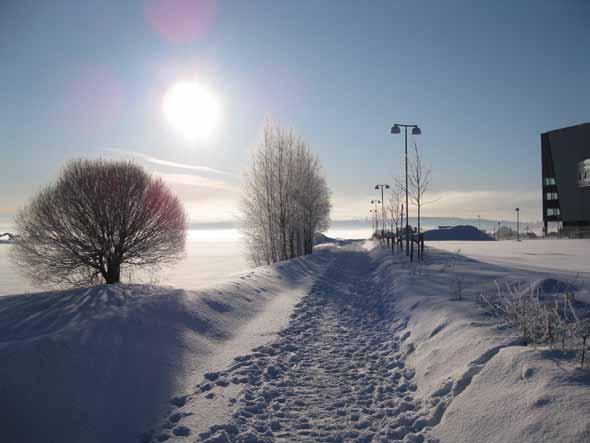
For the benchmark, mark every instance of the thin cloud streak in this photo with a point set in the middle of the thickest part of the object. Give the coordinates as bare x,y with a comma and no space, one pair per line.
158,161
196,180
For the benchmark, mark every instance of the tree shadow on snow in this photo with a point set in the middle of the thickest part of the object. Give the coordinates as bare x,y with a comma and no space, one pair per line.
93,364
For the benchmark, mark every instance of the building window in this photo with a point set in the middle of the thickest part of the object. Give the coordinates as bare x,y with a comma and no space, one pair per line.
551,196
551,212
549,181
584,173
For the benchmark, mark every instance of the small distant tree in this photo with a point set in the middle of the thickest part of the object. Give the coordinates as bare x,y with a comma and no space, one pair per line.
98,218
394,209
418,181
419,178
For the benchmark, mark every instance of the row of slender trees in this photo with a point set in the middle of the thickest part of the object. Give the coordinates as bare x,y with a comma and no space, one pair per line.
419,181
286,200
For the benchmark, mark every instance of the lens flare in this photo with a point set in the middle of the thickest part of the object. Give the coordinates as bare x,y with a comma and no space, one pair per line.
180,21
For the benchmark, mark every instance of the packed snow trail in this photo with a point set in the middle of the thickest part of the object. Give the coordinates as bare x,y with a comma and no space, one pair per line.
336,373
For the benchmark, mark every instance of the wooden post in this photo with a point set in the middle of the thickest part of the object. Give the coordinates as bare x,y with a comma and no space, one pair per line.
422,246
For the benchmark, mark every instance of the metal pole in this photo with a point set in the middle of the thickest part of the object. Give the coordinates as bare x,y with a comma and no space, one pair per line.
376,202
401,243
407,199
382,211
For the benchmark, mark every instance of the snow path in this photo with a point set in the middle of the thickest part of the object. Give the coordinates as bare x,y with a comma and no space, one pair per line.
337,373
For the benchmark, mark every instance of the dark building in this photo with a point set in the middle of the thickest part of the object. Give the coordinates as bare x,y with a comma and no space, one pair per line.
566,179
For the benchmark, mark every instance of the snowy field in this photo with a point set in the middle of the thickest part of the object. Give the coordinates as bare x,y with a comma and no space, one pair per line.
212,255
554,255
349,344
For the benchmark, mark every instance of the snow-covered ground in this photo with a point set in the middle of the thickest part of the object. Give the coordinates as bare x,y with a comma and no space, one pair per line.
211,255
552,255
349,344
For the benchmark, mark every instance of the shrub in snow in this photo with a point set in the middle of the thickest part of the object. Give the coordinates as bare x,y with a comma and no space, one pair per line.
542,319
455,282
581,330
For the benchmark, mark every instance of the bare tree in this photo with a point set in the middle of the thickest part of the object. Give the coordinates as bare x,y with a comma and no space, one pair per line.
286,198
394,209
418,181
99,218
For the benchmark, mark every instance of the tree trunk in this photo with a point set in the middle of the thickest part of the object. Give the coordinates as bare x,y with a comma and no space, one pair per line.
419,246
292,244
113,274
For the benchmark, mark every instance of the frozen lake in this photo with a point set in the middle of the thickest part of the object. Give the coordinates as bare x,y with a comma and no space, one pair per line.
211,255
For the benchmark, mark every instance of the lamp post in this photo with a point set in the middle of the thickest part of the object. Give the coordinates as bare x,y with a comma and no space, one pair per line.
401,243
382,204
375,203
517,224
395,129
373,219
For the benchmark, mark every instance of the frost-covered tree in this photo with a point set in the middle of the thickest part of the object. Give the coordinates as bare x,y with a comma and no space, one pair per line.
394,209
99,218
418,181
285,201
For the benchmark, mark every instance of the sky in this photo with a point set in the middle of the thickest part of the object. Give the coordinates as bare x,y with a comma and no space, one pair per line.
482,79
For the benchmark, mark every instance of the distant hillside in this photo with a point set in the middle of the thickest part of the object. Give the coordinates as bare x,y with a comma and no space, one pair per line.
462,232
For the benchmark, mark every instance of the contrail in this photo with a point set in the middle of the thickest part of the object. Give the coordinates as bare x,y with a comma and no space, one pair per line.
158,161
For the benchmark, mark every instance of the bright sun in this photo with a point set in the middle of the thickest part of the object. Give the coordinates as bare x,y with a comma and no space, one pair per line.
192,110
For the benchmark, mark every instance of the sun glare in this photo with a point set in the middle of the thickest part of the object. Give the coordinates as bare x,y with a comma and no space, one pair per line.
192,110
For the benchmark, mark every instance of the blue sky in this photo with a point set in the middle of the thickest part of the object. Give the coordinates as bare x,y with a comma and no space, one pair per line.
483,80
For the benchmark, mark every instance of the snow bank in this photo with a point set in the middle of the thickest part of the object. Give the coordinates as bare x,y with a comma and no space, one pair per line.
463,232
473,375
101,364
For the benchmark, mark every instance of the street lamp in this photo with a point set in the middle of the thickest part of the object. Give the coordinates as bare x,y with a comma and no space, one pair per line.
517,224
375,203
382,205
396,129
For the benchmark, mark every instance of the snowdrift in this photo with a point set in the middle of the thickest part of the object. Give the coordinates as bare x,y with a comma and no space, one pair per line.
474,375
463,232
